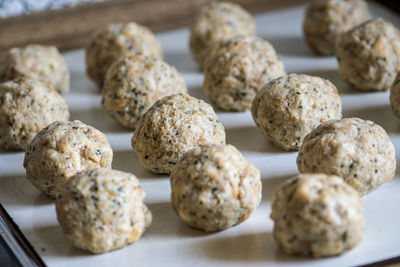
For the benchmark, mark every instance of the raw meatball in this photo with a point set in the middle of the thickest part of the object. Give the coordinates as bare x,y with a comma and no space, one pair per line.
326,19
238,70
216,23
215,187
42,63
26,107
369,55
118,40
290,107
359,151
62,149
317,215
102,210
173,126
395,96
134,83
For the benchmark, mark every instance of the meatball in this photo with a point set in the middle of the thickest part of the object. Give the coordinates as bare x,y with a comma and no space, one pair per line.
395,96
26,107
369,55
118,40
172,126
216,23
214,187
238,70
134,83
42,63
102,210
326,19
290,107
317,215
62,149
359,151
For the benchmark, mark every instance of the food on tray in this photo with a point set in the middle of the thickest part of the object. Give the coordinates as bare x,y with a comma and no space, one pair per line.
290,107
359,151
395,96
317,215
214,187
238,70
101,210
171,127
369,55
115,41
216,23
26,107
62,149
42,63
134,83
326,19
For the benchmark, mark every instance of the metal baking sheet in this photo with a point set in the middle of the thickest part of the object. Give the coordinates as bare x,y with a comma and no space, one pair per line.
169,242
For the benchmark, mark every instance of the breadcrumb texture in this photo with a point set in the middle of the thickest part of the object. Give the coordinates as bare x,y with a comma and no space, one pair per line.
26,107
173,126
134,83
369,55
317,215
115,41
62,149
395,96
359,151
215,187
290,107
37,62
324,20
101,210
216,23
238,70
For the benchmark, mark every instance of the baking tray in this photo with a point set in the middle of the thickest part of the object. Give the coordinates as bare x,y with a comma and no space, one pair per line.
169,242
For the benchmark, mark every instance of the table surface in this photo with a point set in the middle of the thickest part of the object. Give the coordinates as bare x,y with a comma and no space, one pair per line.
169,242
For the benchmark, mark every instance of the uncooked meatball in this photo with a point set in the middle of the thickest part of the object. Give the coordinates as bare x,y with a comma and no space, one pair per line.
134,83
317,215
62,149
42,63
173,126
290,107
214,187
369,55
26,107
118,40
238,70
395,96
102,210
326,19
216,23
359,151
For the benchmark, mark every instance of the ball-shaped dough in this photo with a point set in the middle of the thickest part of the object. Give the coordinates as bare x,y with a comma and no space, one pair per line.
369,55
62,149
317,215
216,23
326,19
115,41
173,126
26,107
42,63
134,83
359,151
238,70
290,107
215,187
102,210
395,96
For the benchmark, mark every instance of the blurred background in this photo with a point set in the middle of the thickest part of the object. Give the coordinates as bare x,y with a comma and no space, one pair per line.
69,23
